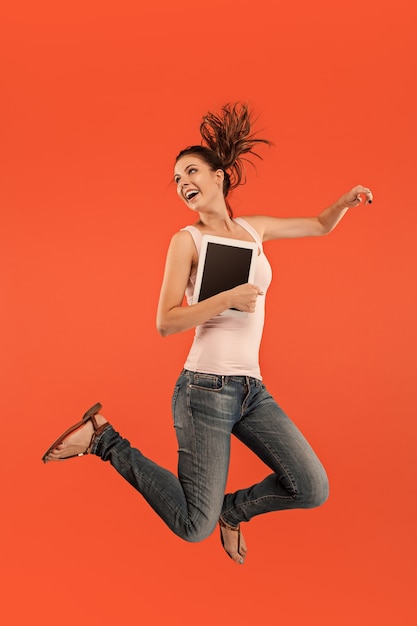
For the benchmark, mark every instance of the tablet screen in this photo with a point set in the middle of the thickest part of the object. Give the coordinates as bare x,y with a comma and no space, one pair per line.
225,267
223,264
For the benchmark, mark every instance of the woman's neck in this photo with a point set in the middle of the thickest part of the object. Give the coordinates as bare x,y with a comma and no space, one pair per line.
215,222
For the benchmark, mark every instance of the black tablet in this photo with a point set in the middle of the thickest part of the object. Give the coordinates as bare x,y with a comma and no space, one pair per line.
223,264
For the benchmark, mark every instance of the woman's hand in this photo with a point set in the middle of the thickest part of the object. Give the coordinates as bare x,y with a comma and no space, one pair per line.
243,297
354,197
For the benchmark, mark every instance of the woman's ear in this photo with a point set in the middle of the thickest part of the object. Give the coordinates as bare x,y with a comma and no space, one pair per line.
220,176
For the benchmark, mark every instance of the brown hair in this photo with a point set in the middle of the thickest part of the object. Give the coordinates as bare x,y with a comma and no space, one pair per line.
225,138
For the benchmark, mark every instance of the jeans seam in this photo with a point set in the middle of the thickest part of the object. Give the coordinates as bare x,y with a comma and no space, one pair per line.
277,459
196,472
243,505
270,496
187,520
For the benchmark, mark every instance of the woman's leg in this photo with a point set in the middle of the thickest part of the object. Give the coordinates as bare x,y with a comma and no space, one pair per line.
205,411
299,480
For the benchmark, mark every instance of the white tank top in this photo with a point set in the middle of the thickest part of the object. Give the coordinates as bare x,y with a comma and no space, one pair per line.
224,345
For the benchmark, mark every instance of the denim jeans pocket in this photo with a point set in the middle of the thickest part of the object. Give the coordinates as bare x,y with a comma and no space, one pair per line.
207,382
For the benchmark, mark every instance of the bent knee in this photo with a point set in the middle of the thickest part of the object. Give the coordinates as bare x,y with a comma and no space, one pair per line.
197,533
322,495
315,493
319,493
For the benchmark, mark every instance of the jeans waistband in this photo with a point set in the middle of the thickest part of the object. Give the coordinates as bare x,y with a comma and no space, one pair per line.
248,380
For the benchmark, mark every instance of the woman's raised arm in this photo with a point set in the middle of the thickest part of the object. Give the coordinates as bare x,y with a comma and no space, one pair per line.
291,227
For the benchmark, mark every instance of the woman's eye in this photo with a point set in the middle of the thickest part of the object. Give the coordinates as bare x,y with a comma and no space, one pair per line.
192,170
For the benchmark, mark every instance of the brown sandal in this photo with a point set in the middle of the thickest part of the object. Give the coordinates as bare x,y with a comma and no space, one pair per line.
222,524
97,430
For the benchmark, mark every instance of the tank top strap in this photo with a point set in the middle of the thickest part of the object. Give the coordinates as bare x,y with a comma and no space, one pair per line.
196,235
250,230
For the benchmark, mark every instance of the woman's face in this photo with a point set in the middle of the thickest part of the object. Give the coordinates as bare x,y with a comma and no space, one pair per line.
197,184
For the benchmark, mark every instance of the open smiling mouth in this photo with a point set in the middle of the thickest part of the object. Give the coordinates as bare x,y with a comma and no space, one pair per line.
191,194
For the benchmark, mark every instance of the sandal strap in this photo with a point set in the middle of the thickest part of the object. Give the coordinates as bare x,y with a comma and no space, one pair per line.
223,524
236,529
98,430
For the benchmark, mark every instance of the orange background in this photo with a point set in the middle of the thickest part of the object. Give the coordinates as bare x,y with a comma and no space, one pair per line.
97,100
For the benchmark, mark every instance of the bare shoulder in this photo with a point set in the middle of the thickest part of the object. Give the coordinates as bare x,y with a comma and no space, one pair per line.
182,238
182,245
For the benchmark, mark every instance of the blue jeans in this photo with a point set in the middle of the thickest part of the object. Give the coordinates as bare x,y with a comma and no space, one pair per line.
207,408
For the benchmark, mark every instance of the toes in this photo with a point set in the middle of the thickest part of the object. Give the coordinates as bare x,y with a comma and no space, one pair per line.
236,557
55,452
235,549
51,456
242,555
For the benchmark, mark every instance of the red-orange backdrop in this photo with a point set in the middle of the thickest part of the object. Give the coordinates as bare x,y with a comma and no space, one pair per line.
96,100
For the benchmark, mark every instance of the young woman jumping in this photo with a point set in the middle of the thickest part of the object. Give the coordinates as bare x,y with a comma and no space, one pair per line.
220,390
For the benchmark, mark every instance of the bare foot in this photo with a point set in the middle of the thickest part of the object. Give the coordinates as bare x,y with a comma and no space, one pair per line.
77,443
231,544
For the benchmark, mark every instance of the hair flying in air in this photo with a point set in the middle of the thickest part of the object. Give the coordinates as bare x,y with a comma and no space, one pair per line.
227,142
